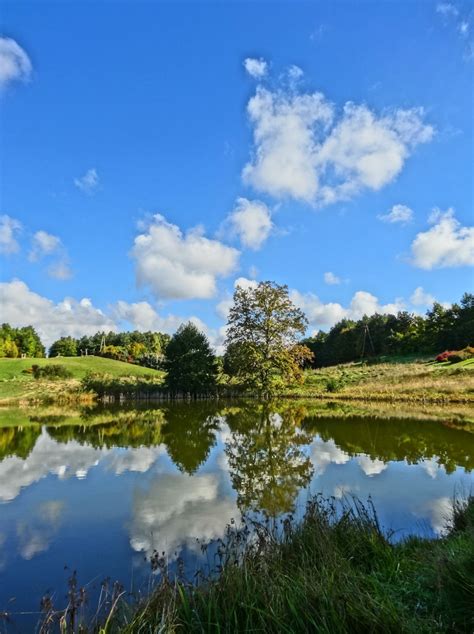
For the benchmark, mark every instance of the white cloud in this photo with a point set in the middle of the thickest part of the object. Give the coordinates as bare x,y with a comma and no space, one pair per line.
439,512
322,315
285,126
9,228
177,510
36,535
23,307
60,270
331,279
256,68
464,28
251,221
245,283
295,72
447,8
177,266
462,23
324,453
15,65
446,244
420,298
302,151
398,213
144,317
43,243
89,182
371,466
67,460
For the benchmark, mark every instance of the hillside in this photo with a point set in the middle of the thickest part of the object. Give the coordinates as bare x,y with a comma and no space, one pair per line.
397,379
17,385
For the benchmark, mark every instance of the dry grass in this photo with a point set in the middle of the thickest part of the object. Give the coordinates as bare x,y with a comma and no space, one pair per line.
391,382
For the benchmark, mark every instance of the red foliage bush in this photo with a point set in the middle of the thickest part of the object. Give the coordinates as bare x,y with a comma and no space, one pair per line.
444,356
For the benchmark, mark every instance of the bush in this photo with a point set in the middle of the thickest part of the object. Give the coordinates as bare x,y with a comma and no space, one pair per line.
334,384
459,355
54,371
443,356
151,360
454,356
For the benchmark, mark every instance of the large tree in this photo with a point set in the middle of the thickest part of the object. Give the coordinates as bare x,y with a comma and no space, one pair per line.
264,328
190,363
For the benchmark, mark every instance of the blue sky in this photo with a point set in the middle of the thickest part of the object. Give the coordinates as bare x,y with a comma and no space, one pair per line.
155,153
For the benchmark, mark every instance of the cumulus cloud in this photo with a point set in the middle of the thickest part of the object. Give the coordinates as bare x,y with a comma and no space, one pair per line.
420,298
89,182
321,315
15,65
9,229
178,509
36,535
256,68
439,512
398,214
144,317
23,307
326,452
284,130
331,279
251,221
446,244
371,466
67,460
177,266
303,150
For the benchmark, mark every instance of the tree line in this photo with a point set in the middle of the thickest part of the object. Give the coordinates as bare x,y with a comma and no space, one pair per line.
442,328
18,342
143,348
264,346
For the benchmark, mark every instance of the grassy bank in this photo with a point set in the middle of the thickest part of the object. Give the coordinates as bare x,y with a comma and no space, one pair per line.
397,380
336,571
18,386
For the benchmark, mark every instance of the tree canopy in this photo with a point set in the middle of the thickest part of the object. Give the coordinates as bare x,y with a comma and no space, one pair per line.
443,328
14,342
264,328
190,363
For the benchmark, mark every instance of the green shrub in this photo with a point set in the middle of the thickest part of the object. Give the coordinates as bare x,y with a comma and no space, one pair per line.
54,371
334,384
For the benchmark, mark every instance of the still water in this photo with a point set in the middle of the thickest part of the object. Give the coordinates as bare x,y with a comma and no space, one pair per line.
98,490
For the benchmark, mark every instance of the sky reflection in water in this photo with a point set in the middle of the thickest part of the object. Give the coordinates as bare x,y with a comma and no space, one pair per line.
100,490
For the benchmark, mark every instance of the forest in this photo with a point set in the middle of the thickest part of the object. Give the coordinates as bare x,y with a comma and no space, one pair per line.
441,329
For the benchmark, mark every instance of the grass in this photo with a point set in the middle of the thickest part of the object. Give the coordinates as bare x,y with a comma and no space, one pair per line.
336,571
399,380
17,386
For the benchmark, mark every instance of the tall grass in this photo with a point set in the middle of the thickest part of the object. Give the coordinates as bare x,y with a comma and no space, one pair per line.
336,571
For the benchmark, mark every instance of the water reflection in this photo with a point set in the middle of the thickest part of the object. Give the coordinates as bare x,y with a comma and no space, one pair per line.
266,463
101,488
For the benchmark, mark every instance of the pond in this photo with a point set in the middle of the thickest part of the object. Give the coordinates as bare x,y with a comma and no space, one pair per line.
98,490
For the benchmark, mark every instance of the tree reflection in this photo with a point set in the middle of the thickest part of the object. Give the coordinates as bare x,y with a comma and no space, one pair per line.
189,433
113,428
397,439
18,441
266,461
